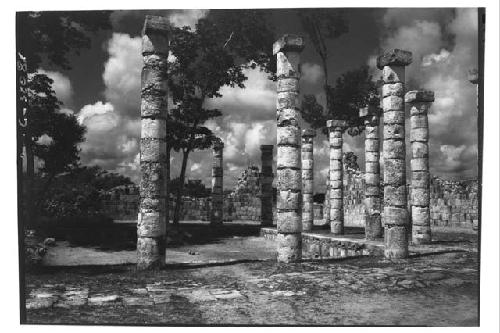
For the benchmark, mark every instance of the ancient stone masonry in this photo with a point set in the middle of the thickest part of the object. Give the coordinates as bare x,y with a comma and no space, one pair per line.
217,185
289,183
244,202
373,224
326,202
307,179
266,185
420,102
335,128
392,64
151,224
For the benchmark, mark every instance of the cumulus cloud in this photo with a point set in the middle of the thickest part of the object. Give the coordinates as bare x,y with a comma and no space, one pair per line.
122,74
111,141
444,47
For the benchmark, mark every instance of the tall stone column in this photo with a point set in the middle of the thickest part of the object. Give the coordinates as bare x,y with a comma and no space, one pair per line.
370,115
420,102
266,185
289,207
392,64
307,179
335,129
217,185
151,218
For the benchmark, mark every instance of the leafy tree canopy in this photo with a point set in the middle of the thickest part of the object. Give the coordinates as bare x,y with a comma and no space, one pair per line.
51,35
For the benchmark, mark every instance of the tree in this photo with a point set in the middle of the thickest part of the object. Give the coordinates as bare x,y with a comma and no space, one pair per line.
212,56
49,37
352,91
351,161
349,93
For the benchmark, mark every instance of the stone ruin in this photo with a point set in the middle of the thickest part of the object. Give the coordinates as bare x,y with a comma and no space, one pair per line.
392,209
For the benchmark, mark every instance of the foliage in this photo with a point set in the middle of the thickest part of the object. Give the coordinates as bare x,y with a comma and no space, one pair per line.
44,118
352,91
76,194
350,161
52,35
207,58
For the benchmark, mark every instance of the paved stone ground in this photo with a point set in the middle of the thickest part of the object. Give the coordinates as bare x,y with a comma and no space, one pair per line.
430,290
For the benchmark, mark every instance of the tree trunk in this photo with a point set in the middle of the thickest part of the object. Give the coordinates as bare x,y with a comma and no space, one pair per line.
181,187
167,181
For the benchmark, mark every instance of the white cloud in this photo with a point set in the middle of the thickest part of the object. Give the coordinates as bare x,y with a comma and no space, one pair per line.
187,17
311,73
122,74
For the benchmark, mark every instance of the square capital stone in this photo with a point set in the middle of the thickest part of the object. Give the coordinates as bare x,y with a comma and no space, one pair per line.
417,96
336,123
155,25
308,133
394,57
288,43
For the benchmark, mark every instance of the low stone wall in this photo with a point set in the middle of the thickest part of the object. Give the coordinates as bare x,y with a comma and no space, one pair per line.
452,203
318,246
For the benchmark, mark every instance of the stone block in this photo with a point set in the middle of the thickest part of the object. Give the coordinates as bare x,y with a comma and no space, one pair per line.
390,103
288,200
394,57
394,131
417,96
393,89
288,100
288,43
419,135
289,157
289,222
287,85
288,65
289,179
394,149
289,247
288,135
394,117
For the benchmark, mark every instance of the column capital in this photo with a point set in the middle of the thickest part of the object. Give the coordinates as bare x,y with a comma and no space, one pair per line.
308,133
266,148
336,124
156,25
419,96
288,43
394,57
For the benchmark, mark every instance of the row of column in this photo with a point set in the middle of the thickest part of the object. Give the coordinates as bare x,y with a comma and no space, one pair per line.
291,187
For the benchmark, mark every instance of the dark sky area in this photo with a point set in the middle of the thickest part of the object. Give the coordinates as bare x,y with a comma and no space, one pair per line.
103,86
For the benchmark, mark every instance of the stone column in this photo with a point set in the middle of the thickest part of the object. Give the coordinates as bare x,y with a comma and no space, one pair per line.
326,202
217,185
307,179
289,207
392,64
420,102
370,115
151,218
266,185
335,129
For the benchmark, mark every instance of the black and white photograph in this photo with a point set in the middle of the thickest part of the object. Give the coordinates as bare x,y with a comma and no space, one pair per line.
283,166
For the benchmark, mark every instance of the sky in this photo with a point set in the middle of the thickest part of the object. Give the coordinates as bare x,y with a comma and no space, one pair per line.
103,89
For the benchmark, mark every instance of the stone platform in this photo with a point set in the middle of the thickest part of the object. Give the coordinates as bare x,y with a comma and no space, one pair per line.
321,244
